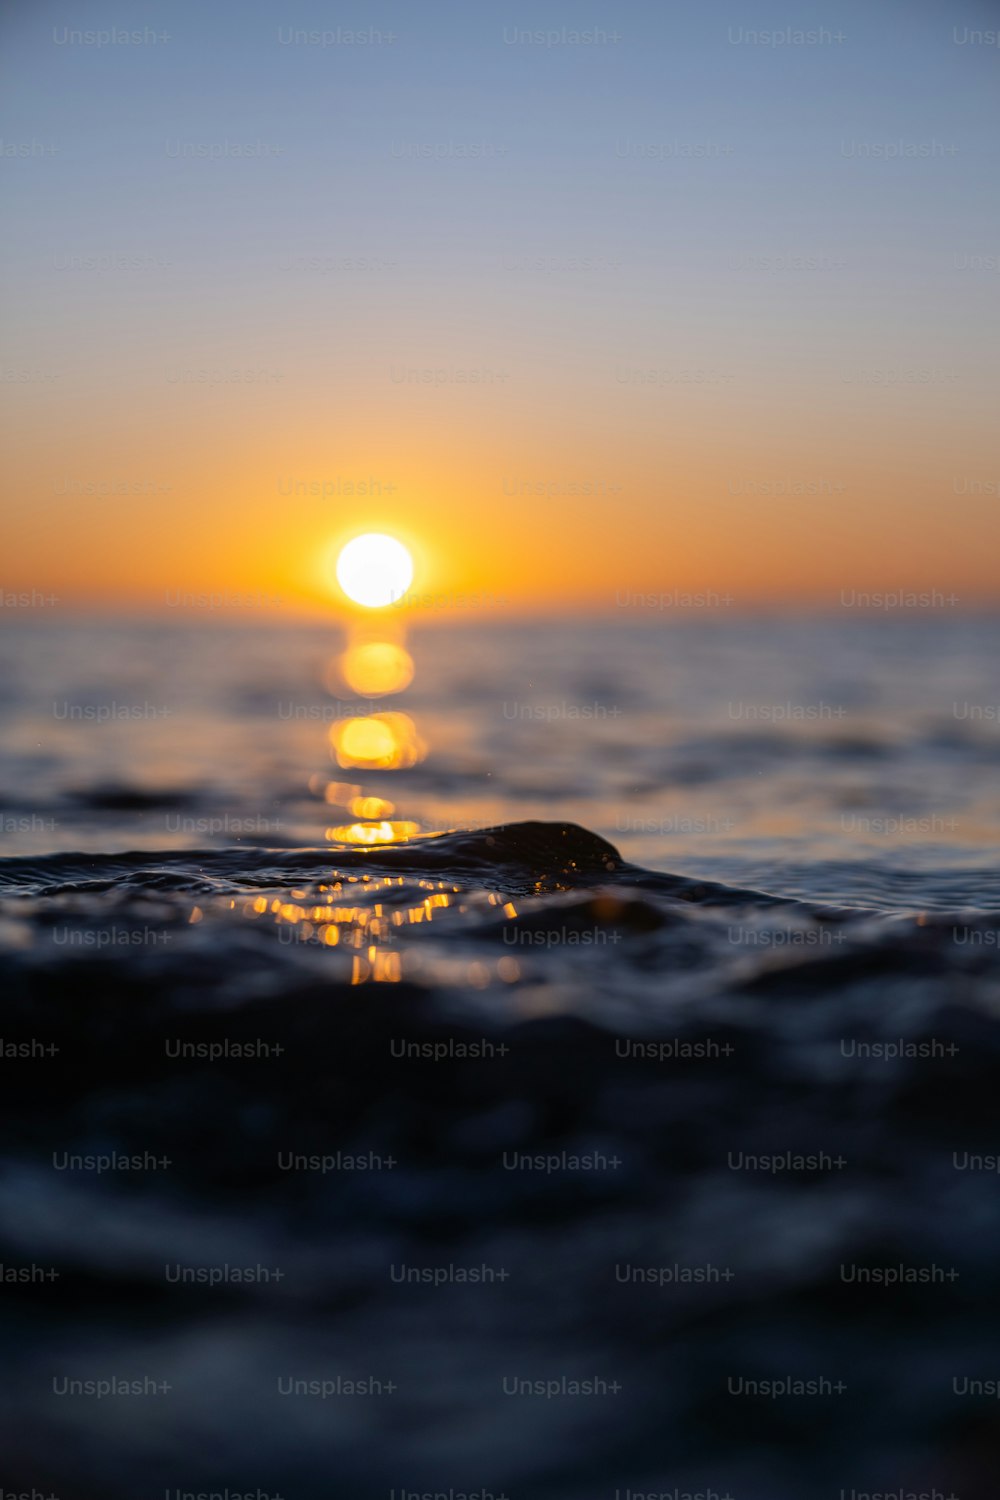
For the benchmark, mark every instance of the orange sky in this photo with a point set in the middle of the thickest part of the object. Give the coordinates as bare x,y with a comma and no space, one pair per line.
690,492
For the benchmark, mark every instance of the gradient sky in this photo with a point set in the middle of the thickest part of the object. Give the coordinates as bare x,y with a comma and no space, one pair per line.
583,244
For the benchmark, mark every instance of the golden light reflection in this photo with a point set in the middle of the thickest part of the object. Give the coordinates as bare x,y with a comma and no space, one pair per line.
341,793
374,669
374,663
368,933
371,807
373,833
384,742
383,968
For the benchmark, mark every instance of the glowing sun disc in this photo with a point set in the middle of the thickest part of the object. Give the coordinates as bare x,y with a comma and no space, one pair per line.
374,570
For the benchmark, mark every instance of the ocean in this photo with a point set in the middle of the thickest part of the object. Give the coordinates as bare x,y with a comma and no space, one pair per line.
592,1041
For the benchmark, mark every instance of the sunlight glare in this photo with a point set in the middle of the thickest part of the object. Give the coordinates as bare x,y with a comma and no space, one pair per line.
375,570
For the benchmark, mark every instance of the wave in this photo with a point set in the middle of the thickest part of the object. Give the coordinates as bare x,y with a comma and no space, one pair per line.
528,856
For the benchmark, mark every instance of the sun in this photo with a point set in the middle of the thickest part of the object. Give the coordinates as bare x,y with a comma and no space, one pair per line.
375,570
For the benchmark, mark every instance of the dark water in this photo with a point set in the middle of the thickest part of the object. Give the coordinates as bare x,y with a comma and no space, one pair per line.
672,1017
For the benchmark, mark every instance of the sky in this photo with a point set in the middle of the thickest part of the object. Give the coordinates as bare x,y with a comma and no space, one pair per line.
576,301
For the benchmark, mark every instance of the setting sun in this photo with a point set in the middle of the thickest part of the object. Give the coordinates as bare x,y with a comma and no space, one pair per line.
374,570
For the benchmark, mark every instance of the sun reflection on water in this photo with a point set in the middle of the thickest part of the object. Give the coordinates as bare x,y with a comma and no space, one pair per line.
374,664
377,742
386,832
364,917
374,669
